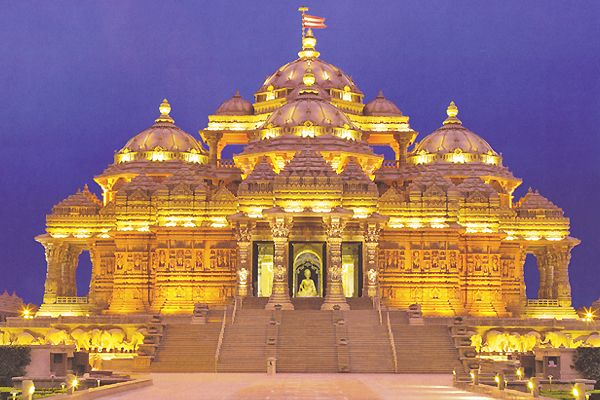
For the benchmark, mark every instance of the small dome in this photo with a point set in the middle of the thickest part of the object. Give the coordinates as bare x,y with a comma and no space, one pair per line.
163,136
455,143
381,107
235,106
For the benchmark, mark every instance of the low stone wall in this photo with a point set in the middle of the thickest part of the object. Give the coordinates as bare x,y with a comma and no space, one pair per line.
494,392
109,390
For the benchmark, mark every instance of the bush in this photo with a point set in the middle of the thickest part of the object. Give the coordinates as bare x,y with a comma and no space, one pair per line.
13,360
586,361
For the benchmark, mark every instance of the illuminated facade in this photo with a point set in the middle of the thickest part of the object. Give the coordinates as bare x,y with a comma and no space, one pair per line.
307,210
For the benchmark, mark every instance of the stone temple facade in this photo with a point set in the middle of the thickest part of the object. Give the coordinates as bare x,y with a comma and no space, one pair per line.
307,209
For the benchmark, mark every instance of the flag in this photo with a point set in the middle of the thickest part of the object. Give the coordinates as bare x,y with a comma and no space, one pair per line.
308,21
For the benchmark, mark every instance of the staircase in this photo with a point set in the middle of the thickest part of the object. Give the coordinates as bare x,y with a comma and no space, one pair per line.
306,342
368,343
188,348
244,342
427,349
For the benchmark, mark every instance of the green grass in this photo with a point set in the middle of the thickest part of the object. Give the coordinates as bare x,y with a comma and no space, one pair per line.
39,393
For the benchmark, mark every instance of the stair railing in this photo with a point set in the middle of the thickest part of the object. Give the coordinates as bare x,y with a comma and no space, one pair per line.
235,307
218,351
377,306
392,342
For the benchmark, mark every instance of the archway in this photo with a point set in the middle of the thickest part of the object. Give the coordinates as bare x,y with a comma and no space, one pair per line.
532,277
308,275
83,274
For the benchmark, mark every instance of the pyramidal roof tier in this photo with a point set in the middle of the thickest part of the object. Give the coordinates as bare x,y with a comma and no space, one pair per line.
308,163
80,200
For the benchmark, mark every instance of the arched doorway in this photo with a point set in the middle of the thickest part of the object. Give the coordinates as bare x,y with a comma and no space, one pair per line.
307,275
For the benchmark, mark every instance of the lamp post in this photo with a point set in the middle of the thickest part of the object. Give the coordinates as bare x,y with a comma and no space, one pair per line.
534,387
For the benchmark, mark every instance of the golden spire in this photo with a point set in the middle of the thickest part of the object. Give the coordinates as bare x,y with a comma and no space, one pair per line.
165,109
308,45
452,111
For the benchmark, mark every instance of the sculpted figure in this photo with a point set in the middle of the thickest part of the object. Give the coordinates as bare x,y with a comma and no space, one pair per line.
137,338
116,338
55,336
81,339
558,339
307,287
25,339
494,341
476,340
593,340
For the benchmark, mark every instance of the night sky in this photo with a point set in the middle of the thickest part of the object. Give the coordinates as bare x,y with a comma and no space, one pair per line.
78,79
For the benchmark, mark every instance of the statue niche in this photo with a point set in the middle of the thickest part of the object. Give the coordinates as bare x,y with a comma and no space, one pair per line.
307,276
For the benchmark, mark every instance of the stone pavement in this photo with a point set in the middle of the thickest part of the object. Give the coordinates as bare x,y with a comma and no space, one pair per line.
299,386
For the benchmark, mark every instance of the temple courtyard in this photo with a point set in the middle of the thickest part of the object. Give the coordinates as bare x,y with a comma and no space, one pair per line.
299,386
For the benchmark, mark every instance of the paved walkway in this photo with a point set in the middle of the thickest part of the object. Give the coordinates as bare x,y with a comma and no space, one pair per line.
299,386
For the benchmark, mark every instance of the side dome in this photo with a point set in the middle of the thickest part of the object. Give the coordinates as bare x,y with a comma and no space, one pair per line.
380,107
235,106
162,141
453,143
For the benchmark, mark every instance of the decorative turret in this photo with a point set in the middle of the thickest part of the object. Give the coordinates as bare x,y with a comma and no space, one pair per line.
235,106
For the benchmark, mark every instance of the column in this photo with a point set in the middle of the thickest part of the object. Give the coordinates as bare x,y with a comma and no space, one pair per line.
68,266
55,252
334,227
371,270
280,294
562,287
243,233
213,139
541,262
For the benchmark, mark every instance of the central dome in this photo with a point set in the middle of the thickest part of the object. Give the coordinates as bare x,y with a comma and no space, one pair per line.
309,113
289,77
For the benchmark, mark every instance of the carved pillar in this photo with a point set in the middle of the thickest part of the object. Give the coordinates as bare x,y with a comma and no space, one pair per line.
243,231
55,252
280,294
371,270
212,139
541,262
334,227
68,285
562,287
372,228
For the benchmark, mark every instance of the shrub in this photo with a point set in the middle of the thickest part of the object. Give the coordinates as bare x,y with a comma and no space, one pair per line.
586,361
13,360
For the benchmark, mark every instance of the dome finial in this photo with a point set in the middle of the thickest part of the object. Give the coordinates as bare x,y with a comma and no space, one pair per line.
308,45
165,109
452,111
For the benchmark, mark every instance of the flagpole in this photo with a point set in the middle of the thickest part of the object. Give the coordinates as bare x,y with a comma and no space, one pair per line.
303,9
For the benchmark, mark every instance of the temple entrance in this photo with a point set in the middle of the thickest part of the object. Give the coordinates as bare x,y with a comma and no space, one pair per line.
262,271
352,272
307,269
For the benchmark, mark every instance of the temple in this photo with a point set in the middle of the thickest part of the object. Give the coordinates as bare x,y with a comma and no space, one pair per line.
308,209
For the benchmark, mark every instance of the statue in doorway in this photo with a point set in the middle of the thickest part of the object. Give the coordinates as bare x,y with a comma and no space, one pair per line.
307,287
